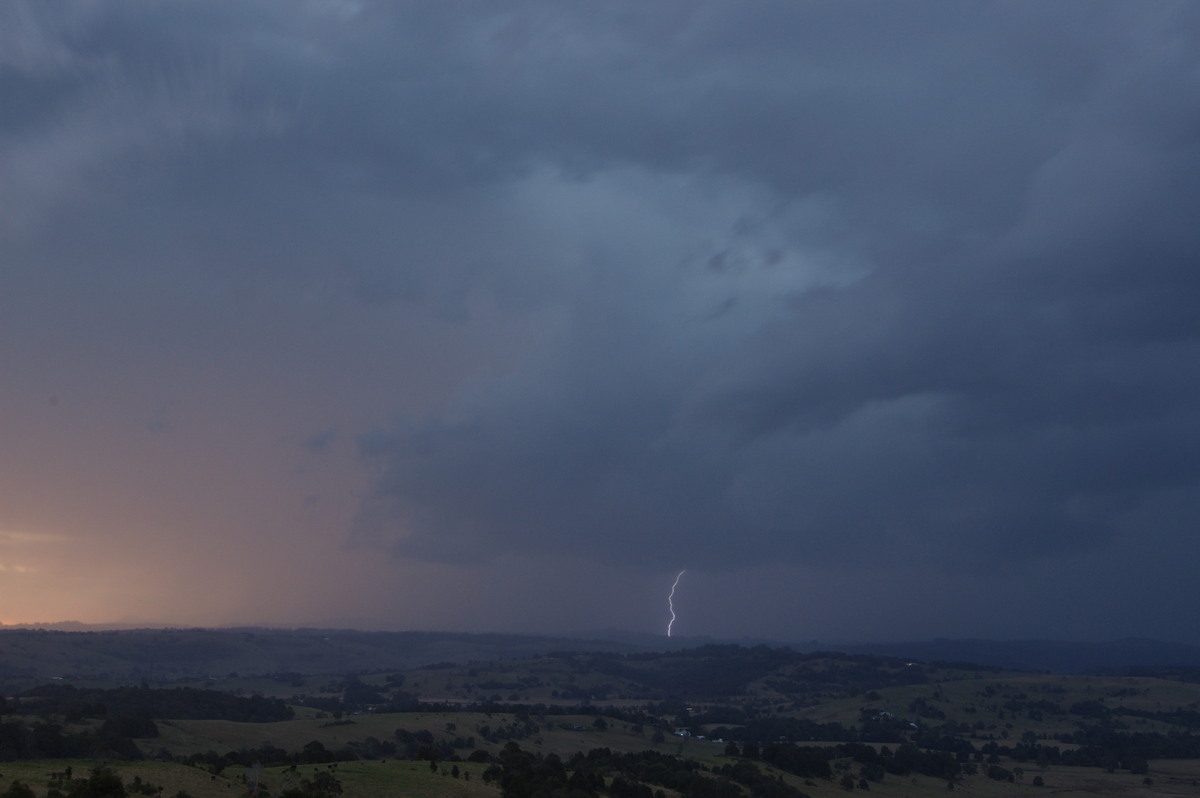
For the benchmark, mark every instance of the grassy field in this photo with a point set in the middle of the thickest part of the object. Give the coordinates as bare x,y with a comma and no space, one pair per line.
173,778
988,701
559,734
979,706
358,779
377,779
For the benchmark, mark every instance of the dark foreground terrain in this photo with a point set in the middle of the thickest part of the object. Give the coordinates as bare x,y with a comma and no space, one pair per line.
715,720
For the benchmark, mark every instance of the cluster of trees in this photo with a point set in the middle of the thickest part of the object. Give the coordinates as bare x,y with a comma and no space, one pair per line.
312,753
724,670
1098,746
322,784
519,729
421,744
1187,718
51,741
351,694
521,773
414,745
127,714
99,783
686,777
800,730
103,783
1104,747
817,761
188,703
805,761
633,775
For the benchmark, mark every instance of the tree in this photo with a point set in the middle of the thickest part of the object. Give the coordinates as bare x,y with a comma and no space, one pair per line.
873,771
102,783
324,784
18,790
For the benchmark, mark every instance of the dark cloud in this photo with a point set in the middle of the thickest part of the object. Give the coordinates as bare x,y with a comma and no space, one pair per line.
846,286
320,441
1002,377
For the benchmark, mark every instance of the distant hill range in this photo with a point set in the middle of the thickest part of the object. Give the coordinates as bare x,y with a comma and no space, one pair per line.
1024,655
171,655
1131,653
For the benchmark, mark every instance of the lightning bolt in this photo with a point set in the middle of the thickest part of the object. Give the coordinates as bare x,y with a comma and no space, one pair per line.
671,601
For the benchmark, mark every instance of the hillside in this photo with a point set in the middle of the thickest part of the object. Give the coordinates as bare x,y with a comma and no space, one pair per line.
1046,655
719,720
163,656
29,656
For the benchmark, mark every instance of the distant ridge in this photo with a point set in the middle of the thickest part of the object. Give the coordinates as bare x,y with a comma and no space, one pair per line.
68,626
166,655
1054,656
44,651
1041,655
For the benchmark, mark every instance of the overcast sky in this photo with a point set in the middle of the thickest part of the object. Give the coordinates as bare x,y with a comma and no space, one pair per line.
880,319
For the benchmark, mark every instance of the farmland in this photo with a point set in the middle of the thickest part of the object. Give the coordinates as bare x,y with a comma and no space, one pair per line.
720,720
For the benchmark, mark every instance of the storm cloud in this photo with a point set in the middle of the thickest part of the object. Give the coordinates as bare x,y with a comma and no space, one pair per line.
934,292
898,288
